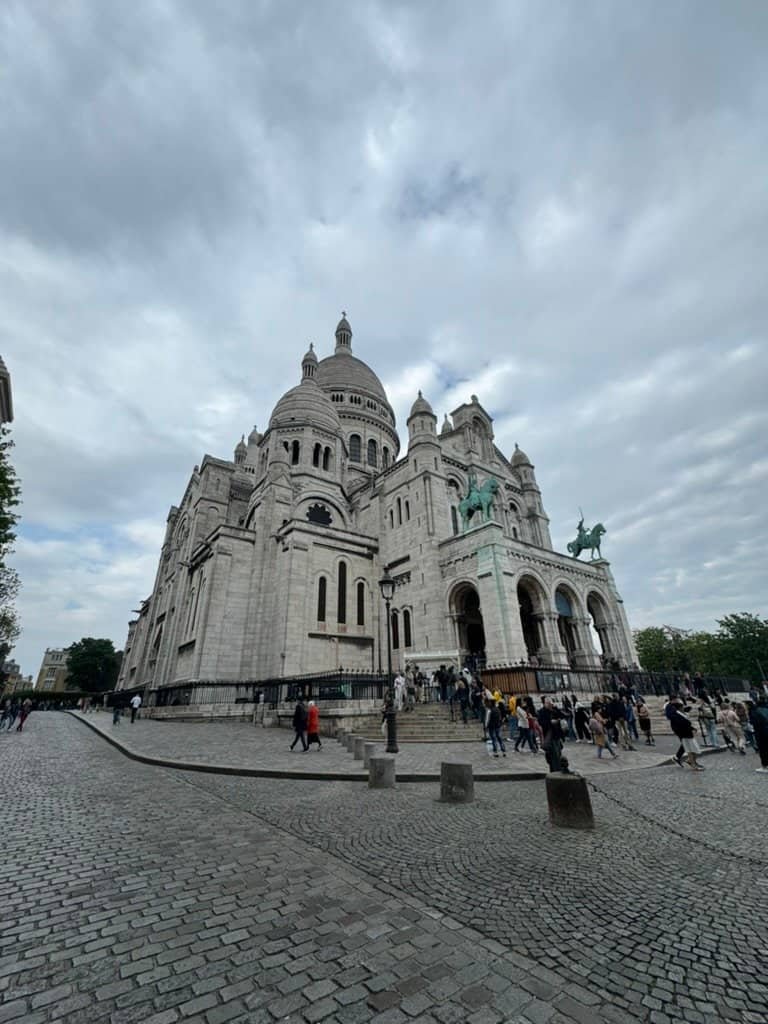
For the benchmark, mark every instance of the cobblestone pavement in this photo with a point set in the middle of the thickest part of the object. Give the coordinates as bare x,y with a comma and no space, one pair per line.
138,894
240,744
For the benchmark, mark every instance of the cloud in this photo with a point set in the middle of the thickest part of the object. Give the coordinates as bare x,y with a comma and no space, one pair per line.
509,206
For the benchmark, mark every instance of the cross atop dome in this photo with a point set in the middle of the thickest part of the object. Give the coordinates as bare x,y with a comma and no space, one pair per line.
343,335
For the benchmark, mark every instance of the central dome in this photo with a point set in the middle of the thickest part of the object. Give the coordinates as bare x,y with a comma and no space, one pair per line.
345,371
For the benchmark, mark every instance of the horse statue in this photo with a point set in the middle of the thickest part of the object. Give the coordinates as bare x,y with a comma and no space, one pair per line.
478,499
587,539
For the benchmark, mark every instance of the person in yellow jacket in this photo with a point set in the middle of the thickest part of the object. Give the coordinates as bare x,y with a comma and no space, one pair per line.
512,720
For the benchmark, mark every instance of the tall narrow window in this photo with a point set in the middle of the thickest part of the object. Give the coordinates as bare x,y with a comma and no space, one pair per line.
407,509
361,603
395,631
341,615
316,455
327,458
454,520
385,457
391,518
354,448
407,642
399,512
322,587
295,452
372,453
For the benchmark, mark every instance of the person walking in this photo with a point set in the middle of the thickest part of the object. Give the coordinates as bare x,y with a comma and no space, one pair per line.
135,705
5,715
758,716
399,691
493,727
729,720
313,725
598,728
26,707
581,721
523,732
682,727
708,722
300,725
644,721
512,717
117,708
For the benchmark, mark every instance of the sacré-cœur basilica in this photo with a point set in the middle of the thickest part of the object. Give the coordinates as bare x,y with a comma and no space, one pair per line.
270,563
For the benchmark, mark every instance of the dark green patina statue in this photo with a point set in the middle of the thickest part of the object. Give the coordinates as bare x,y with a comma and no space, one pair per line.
587,539
478,499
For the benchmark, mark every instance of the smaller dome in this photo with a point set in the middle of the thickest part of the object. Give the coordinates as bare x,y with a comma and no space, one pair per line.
241,446
519,458
254,437
447,426
343,325
421,405
309,355
306,403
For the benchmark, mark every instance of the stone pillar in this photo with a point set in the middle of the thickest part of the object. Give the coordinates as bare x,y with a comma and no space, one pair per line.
358,748
349,742
381,773
568,800
368,751
457,786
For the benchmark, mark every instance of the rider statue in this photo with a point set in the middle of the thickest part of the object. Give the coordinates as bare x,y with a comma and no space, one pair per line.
582,535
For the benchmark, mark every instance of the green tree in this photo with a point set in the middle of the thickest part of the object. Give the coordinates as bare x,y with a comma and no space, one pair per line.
654,648
743,645
92,665
9,495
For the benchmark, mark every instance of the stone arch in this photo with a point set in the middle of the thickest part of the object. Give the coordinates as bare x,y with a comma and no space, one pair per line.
464,606
534,607
601,621
568,607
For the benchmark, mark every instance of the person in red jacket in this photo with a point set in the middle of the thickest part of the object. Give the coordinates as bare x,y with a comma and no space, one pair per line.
313,726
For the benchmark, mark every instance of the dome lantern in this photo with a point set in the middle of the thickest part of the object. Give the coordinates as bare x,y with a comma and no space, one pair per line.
343,336
309,364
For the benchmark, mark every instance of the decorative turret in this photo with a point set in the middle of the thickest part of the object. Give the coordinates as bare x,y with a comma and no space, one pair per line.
240,451
254,437
422,422
519,458
537,518
309,364
343,336
447,426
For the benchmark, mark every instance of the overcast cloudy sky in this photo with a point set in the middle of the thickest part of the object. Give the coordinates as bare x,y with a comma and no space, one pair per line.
561,207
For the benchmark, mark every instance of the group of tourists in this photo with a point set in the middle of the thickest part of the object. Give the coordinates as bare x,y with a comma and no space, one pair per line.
741,724
14,713
306,725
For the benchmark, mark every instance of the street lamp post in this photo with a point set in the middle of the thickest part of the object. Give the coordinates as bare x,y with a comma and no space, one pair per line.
387,588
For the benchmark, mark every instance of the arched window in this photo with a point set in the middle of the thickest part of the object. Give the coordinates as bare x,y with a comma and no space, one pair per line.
361,603
316,455
407,509
385,457
399,512
341,615
407,640
391,519
395,631
327,459
373,459
322,587
454,520
295,452
354,448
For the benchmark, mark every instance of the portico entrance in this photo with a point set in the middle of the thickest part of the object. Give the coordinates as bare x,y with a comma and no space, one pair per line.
469,623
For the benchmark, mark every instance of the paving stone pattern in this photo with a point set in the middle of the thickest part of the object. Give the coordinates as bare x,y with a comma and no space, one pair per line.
134,893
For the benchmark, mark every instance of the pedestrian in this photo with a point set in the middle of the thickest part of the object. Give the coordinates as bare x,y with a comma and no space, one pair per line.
617,717
581,721
523,731
758,716
708,722
313,725
549,718
631,719
117,708
732,730
512,717
598,728
135,705
442,681
5,714
493,726
682,727
644,721
300,725
26,707
399,691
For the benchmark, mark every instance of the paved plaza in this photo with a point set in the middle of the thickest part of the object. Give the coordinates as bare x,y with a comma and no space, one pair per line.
137,893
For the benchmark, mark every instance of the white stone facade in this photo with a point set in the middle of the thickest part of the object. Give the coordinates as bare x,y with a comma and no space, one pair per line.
271,562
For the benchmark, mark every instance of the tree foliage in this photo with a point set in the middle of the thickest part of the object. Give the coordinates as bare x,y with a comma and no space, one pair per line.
9,580
739,647
92,665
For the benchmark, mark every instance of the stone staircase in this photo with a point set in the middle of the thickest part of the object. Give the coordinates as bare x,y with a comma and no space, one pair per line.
431,723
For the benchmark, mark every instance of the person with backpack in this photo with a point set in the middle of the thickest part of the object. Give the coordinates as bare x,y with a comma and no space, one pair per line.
682,727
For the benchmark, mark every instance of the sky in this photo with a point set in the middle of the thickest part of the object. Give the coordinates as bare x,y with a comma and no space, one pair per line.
559,207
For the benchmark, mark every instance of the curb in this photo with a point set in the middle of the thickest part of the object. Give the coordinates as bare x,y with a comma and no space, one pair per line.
285,773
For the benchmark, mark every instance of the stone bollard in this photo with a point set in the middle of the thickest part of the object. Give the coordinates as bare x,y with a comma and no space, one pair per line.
359,747
340,736
368,752
381,773
349,742
569,803
457,786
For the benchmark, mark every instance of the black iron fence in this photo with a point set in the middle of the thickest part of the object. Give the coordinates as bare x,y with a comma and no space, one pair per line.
522,679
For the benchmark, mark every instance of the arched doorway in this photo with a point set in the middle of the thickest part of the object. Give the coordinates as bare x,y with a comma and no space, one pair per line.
565,624
469,625
527,601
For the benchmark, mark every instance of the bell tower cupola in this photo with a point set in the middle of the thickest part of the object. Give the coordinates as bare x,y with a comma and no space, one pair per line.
309,364
343,336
